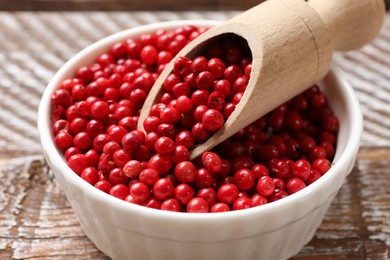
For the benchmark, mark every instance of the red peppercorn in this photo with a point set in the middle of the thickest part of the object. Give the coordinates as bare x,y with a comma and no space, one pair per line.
118,50
121,157
132,168
167,130
182,66
212,162
181,89
219,207
227,193
152,202
293,120
322,165
216,67
306,144
277,195
78,163
223,86
212,120
242,203
90,175
183,193
314,175
130,199
160,163
120,191
209,195
295,185
248,70
258,200
116,133
184,104
99,110
292,149
280,184
241,162
276,120
171,205
318,101
200,133
63,140
244,179
60,97
280,168
231,73
103,185
185,138
260,170
94,128
301,169
169,115
265,186
180,154
82,141
150,140
216,100
199,111
78,125
164,145
151,124
106,164
164,57
199,64
163,189
205,80
185,172
197,205
138,97
60,125
234,54
71,151
240,83
131,141
140,192
92,157
116,176
149,54
203,178
171,81
149,176
111,147
200,97
317,152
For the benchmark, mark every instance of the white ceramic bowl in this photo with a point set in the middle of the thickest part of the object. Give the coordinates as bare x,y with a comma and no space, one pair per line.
273,231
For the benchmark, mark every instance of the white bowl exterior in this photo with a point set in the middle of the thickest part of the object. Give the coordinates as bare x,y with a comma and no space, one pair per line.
274,231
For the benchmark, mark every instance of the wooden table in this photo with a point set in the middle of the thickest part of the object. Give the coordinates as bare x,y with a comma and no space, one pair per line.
36,221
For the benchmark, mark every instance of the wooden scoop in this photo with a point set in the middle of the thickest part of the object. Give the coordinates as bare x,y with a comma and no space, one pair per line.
292,42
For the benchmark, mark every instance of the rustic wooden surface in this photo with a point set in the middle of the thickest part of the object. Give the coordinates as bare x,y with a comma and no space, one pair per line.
36,221
129,5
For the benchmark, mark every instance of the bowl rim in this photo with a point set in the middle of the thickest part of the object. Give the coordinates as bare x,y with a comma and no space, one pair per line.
53,155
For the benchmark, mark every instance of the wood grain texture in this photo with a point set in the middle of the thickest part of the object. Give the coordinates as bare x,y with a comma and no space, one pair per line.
122,5
129,5
36,221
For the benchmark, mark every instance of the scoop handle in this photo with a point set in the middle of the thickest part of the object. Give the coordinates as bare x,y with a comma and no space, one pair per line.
352,23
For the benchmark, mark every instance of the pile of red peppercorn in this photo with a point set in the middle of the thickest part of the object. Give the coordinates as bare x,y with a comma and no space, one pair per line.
95,116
